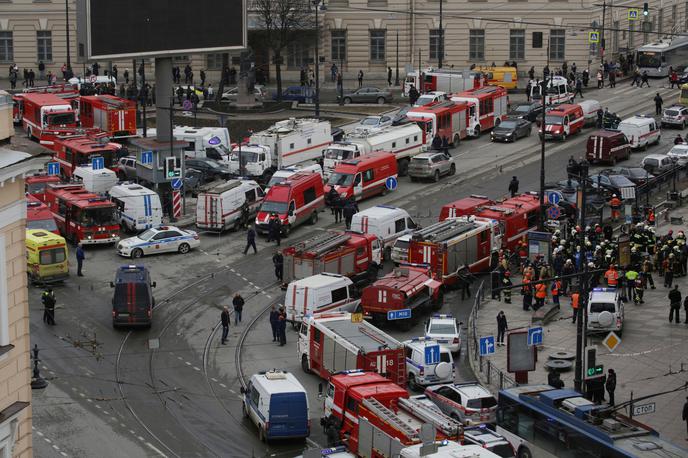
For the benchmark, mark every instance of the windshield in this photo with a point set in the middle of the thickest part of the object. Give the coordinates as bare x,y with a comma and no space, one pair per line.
45,224
340,179
401,244
652,162
508,125
52,256
247,156
97,216
481,403
556,120
442,329
445,357
86,159
678,151
275,180
338,154
523,108
424,100
36,188
598,307
146,236
274,207
671,113
60,119
370,121
554,90
649,59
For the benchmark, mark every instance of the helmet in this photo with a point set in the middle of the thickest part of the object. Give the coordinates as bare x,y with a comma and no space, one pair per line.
507,274
613,195
633,250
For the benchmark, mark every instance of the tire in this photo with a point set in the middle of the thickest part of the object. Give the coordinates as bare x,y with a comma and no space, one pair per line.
304,364
313,219
524,452
347,100
413,386
452,170
436,176
477,132
563,137
613,161
137,253
456,141
380,100
262,435
403,167
184,248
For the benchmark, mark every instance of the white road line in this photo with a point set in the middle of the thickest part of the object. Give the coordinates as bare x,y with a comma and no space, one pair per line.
39,433
213,379
132,432
223,385
89,400
232,391
196,368
73,388
269,297
63,454
179,358
105,412
187,363
82,395
56,447
232,270
155,449
123,425
47,440
141,438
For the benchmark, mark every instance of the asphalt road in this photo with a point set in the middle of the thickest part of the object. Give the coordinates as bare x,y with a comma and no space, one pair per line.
174,390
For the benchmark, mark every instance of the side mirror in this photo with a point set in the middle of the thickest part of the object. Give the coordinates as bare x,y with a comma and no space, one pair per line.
291,212
154,284
112,285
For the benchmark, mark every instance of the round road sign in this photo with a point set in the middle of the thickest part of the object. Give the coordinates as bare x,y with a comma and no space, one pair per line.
93,78
391,183
553,197
187,105
553,212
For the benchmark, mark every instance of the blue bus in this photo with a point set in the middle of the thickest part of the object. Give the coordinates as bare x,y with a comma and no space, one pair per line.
541,421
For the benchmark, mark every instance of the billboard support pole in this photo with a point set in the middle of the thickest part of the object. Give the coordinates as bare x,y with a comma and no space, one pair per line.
163,91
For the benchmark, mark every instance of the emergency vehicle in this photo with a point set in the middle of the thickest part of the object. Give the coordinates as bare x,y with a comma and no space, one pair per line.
332,342
558,90
39,216
64,91
210,142
363,177
162,239
46,256
82,216
289,142
441,80
607,145
44,115
454,245
562,121
98,181
35,184
320,293
138,207
377,418
226,204
113,115
294,201
407,288
357,256
387,222
488,108
79,150
463,207
446,119
403,141
641,131
506,77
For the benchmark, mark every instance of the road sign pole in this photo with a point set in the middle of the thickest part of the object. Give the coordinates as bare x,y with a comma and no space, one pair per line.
176,204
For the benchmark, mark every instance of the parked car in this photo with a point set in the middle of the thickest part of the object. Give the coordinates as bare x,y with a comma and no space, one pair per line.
192,180
163,239
637,175
367,95
432,164
680,152
469,402
657,163
511,130
231,95
400,117
210,168
529,111
430,97
293,93
127,168
613,183
375,122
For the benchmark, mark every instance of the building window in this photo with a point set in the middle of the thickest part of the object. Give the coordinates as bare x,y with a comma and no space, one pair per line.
6,47
297,55
436,44
44,41
338,45
476,44
214,61
184,58
517,44
4,296
377,45
557,44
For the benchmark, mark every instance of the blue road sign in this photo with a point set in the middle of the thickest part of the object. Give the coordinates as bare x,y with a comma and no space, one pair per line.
53,168
399,314
553,197
432,354
147,157
391,183
97,163
487,345
553,212
535,336
176,183
633,15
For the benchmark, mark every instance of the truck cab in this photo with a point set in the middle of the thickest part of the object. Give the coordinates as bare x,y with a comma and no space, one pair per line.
252,159
318,294
363,177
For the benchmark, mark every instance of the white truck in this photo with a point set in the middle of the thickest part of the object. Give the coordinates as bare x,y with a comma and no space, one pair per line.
226,204
211,142
138,207
98,181
286,143
403,141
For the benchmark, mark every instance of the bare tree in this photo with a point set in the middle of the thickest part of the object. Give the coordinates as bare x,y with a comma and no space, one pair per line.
282,23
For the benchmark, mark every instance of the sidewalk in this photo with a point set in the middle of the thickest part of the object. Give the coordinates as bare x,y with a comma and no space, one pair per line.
651,358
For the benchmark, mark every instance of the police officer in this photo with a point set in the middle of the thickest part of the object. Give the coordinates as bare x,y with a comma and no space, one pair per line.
80,256
48,299
251,240
278,262
513,186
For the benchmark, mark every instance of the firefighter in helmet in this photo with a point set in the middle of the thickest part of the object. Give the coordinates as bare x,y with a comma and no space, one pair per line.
507,284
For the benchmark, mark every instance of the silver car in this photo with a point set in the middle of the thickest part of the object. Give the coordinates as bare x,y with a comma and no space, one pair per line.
432,164
127,168
468,402
676,116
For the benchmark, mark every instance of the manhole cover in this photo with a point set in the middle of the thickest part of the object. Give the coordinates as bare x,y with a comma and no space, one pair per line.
562,355
558,365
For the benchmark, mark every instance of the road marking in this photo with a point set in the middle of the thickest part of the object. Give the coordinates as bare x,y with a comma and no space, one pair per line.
97,406
63,454
180,358
141,438
123,425
269,297
187,363
73,388
47,440
132,432
39,433
232,270
196,368
213,379
82,395
232,391
89,400
225,386
105,412
56,447
155,449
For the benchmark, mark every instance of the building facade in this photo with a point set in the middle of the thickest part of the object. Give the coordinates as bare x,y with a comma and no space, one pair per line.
372,35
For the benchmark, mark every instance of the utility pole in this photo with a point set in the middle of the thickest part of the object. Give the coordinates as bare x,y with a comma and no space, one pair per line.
396,74
317,60
583,283
441,46
144,91
543,90
69,58
602,41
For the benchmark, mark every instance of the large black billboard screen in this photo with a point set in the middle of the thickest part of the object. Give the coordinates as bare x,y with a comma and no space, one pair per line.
128,28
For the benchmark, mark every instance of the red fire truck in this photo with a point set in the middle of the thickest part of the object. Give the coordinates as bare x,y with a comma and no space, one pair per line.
407,287
113,115
377,418
36,184
454,245
358,256
446,119
77,150
45,115
81,215
563,121
432,79
463,207
64,91
489,107
332,342
39,216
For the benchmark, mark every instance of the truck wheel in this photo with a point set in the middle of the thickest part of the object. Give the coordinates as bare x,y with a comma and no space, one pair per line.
403,167
452,170
137,253
563,137
184,248
524,452
412,383
304,364
476,132
613,161
314,218
456,141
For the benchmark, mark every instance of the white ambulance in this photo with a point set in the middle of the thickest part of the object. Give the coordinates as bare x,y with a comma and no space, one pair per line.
226,205
641,130
138,207
320,293
387,222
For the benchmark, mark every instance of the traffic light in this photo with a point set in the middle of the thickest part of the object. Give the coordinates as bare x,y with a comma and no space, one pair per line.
173,168
592,369
646,10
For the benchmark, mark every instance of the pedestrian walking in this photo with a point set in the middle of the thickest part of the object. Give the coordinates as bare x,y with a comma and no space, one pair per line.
48,300
275,229
610,385
668,267
278,262
274,323
513,186
502,326
675,304
507,284
389,76
282,327
579,88
644,79
575,301
528,88
636,78
673,79
360,78
224,319
600,79
658,104
612,79
238,304
80,256
685,308
251,240
349,211
340,82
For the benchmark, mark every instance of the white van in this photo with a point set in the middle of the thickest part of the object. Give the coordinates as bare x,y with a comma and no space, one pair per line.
138,207
400,248
226,204
387,222
590,108
211,142
98,181
320,293
278,405
449,449
282,174
78,81
640,130
605,311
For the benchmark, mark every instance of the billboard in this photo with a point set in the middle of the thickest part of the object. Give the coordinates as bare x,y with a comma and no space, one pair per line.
110,30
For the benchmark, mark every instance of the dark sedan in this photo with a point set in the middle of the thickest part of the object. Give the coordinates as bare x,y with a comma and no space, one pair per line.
368,95
211,170
529,111
511,130
637,175
612,183
400,118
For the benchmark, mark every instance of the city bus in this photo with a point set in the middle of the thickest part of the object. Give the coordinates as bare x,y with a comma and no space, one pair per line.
544,422
656,58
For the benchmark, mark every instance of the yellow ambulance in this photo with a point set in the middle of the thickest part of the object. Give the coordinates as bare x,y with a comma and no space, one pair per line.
46,256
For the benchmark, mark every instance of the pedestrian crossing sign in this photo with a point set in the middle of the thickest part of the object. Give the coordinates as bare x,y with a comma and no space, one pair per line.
633,14
593,37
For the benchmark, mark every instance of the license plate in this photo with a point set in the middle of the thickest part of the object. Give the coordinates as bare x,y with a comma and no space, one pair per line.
123,314
443,341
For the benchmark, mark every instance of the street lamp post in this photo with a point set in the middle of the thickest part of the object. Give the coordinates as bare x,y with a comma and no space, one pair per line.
69,58
543,94
583,287
317,3
396,74
441,46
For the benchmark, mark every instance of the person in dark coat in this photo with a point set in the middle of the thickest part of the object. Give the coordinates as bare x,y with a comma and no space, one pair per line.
274,323
437,143
48,299
238,304
658,104
332,198
413,95
282,321
685,415
275,229
502,326
224,319
610,385
349,212
445,145
675,304
251,240
80,256
513,186
278,262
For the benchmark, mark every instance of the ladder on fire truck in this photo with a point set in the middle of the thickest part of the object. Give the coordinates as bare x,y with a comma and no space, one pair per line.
432,415
322,243
444,230
389,417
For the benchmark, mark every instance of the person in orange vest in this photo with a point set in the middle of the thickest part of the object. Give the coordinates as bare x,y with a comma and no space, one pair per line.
651,217
540,295
556,287
575,298
527,293
615,203
612,276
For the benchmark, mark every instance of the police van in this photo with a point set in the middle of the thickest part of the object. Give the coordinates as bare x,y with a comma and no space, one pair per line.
278,405
419,372
387,222
133,301
138,208
605,311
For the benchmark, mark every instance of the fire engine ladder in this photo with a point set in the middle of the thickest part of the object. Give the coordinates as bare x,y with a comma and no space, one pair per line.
430,231
432,415
389,417
322,243
446,231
